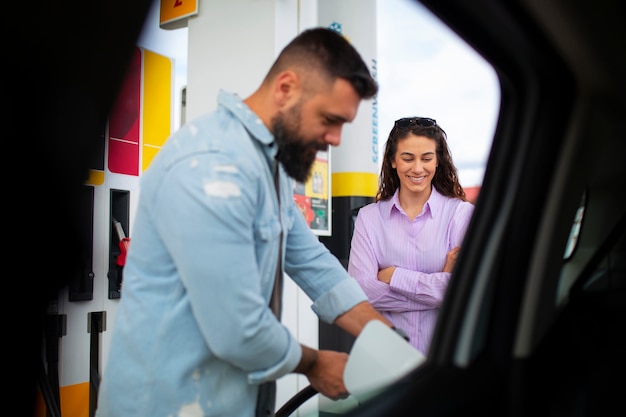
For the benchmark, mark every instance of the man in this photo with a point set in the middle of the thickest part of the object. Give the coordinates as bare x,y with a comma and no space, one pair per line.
194,333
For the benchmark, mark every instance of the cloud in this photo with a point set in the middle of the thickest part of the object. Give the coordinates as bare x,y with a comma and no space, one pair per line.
425,69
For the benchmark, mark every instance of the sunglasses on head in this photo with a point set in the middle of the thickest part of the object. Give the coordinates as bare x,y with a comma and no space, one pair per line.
407,122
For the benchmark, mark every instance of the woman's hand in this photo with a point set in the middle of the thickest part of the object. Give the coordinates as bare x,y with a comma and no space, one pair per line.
451,259
384,275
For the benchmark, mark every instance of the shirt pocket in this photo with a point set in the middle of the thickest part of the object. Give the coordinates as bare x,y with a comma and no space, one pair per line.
269,230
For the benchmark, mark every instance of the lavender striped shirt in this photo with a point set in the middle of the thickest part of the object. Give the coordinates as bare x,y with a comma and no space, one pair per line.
384,236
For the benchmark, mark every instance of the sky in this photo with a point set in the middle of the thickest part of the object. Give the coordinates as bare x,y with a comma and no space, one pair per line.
424,69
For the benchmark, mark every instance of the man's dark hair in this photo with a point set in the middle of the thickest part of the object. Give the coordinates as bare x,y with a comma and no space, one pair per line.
329,54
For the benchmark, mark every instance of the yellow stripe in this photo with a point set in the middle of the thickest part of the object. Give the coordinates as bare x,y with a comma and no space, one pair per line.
74,401
95,177
354,184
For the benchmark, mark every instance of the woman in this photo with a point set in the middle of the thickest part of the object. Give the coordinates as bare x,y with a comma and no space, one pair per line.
405,244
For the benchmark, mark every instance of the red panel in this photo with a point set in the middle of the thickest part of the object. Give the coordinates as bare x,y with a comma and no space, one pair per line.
124,122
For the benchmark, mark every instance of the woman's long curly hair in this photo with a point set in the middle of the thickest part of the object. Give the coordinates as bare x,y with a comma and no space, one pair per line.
445,180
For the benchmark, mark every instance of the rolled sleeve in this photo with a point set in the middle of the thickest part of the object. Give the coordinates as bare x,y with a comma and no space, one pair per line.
339,299
285,366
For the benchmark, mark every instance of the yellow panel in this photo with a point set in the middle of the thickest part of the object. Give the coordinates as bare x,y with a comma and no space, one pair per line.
317,184
74,401
173,10
156,108
149,152
354,184
95,177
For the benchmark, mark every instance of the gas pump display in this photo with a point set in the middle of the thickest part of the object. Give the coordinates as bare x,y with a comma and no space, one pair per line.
313,197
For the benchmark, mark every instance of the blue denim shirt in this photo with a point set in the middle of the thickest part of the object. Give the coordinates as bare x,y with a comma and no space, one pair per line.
193,333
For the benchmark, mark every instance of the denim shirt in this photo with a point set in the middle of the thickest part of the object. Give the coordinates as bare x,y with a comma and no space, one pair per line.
193,333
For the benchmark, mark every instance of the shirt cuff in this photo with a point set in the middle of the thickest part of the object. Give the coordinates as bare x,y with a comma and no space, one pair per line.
285,366
339,299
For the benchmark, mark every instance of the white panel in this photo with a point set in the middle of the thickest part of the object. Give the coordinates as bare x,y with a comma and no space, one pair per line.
74,346
308,14
308,334
100,246
359,143
303,323
286,28
231,47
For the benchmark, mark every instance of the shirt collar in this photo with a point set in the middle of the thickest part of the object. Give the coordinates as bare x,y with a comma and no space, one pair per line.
431,207
253,124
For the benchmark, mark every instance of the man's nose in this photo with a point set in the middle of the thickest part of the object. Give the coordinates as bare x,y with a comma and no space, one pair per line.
333,136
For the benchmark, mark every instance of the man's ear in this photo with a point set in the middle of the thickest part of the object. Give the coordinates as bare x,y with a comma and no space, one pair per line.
286,87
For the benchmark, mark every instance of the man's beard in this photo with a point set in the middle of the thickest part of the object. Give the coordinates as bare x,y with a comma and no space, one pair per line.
294,152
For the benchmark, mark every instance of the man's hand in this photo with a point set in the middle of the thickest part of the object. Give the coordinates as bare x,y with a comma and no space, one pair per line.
324,370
